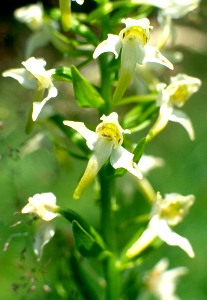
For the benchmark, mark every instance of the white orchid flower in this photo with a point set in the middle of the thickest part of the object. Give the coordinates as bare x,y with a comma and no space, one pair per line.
133,42
31,15
34,76
105,142
43,206
162,282
174,8
176,94
165,213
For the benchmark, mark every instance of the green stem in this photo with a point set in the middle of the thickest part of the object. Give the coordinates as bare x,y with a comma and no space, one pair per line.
105,72
112,273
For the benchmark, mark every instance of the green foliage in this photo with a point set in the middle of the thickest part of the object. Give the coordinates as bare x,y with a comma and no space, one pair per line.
85,94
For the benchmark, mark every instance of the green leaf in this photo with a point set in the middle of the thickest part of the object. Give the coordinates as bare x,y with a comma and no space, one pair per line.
79,28
86,95
85,243
139,116
72,216
139,150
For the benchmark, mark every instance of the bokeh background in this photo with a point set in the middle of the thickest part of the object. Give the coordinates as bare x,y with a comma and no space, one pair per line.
50,168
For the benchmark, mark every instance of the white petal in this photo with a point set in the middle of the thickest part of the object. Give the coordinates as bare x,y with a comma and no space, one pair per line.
35,66
182,118
32,15
80,2
152,54
171,238
149,162
43,235
87,134
143,23
22,76
121,158
37,106
42,205
112,44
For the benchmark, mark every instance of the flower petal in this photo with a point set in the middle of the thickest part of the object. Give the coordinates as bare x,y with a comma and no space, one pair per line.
112,44
86,133
44,234
122,158
37,106
80,2
152,54
22,76
42,205
171,238
36,68
182,118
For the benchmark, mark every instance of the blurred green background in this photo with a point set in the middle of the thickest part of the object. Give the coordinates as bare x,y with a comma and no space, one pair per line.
50,169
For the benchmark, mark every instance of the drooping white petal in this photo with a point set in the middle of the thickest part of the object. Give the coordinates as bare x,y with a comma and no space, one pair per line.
122,158
167,235
180,117
152,54
44,234
149,162
89,135
112,44
22,76
37,106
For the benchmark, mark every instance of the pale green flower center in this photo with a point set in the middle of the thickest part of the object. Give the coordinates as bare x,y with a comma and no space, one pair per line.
179,94
111,132
172,210
137,33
